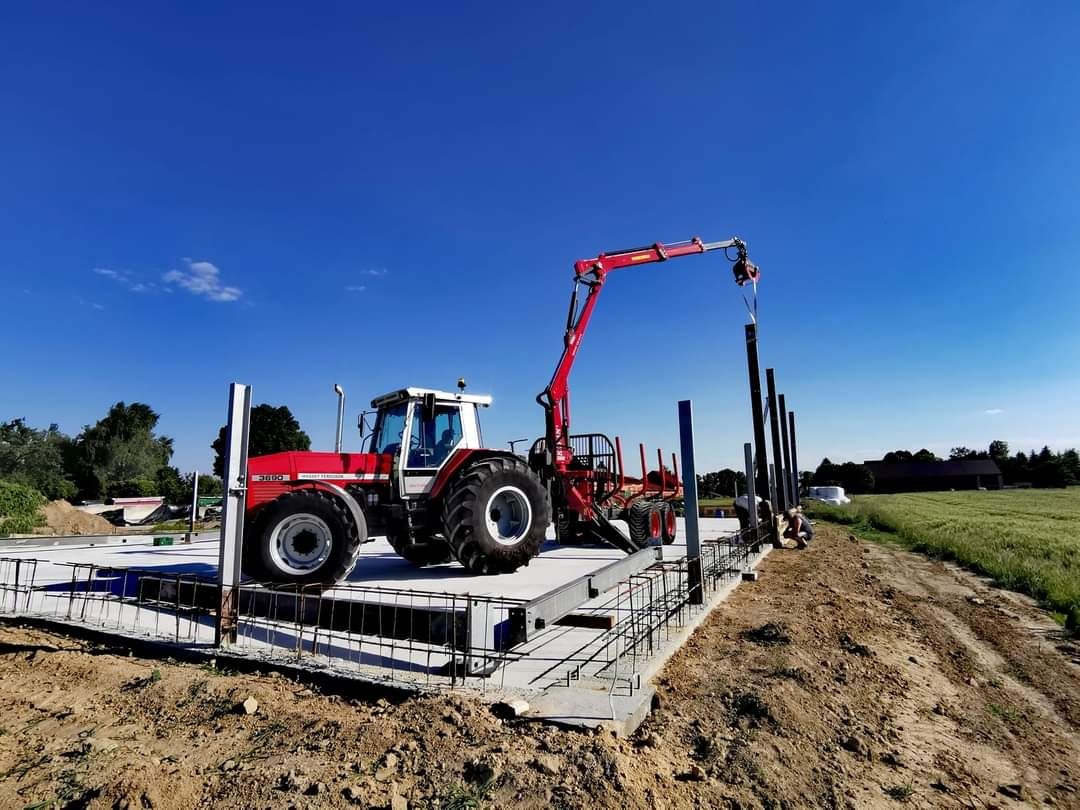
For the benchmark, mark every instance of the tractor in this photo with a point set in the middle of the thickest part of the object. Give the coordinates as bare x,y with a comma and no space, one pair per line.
426,481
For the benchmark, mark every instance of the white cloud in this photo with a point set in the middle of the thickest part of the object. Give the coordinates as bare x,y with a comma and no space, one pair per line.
993,411
126,278
377,271
356,288
202,278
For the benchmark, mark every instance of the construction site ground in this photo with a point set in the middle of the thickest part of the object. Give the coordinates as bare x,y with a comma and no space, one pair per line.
850,675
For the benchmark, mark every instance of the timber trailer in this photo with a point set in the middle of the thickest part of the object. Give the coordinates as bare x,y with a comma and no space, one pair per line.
427,482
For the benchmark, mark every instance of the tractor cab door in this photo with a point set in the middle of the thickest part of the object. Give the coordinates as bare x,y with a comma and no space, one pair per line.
434,432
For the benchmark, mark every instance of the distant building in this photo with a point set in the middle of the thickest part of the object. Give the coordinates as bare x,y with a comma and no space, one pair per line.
923,476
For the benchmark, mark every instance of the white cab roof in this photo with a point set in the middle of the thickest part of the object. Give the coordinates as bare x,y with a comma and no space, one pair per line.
415,393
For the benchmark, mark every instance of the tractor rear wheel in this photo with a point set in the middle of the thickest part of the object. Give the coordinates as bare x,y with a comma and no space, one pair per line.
495,515
421,549
305,537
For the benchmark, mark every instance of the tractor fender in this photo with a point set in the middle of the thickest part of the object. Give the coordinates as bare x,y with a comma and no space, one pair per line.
460,460
346,498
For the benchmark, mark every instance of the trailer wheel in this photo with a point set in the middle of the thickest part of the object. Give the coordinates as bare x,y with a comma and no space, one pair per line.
644,522
495,515
568,530
668,528
427,549
306,536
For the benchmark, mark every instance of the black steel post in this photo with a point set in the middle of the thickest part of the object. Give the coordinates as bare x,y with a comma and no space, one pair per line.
751,494
757,413
789,496
794,457
774,427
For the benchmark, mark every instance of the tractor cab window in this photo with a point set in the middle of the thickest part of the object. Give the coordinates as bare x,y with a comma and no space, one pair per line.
433,435
389,429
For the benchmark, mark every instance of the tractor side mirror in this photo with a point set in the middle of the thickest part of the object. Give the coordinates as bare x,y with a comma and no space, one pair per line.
362,424
429,405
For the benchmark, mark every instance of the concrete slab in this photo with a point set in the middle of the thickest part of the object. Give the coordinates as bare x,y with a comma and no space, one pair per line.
578,675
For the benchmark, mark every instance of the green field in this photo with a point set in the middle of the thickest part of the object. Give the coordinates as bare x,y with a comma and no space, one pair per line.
1026,540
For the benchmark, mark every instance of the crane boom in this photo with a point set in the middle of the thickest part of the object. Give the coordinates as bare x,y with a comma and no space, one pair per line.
592,273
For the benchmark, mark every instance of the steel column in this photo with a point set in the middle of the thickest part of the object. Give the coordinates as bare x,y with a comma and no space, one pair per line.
794,457
690,499
232,512
779,502
194,505
789,497
751,499
757,411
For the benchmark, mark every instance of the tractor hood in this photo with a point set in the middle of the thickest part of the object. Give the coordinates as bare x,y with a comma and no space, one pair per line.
341,468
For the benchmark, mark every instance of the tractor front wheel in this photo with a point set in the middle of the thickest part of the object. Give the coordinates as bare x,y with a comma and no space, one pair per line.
305,537
495,515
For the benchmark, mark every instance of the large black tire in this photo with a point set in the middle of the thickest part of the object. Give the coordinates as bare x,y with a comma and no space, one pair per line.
639,520
668,527
304,537
430,550
495,515
569,531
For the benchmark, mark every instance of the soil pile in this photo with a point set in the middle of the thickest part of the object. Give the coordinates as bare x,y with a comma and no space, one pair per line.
849,676
63,518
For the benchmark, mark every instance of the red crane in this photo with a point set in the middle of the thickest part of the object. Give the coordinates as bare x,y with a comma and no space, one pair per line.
579,485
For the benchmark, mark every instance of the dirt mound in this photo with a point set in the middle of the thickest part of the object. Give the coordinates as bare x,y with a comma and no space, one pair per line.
903,682
63,518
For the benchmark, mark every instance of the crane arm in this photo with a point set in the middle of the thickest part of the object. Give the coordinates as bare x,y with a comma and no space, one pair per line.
592,273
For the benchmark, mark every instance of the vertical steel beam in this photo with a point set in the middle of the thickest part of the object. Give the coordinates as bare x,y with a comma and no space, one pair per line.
757,412
194,505
690,498
789,496
232,512
794,457
751,494
779,501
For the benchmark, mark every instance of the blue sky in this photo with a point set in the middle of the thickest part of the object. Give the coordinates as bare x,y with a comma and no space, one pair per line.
394,194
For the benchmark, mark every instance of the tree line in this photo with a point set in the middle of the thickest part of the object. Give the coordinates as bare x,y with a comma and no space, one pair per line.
1043,468
122,455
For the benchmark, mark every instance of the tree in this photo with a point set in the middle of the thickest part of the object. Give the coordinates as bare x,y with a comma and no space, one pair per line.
961,453
36,458
925,455
721,483
273,430
121,452
854,478
898,455
176,489
998,450
210,485
1070,460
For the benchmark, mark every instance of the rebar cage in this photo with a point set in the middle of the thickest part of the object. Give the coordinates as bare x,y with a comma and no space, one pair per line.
409,637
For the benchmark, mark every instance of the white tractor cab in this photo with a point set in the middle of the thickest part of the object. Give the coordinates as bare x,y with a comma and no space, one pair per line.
422,428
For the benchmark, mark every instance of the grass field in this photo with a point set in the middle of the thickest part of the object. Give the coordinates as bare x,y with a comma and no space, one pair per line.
1026,540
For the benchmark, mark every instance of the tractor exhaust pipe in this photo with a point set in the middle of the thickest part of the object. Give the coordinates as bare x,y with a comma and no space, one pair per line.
340,416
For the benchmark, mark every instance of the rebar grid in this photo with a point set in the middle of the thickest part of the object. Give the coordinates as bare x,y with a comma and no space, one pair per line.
387,634
393,635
